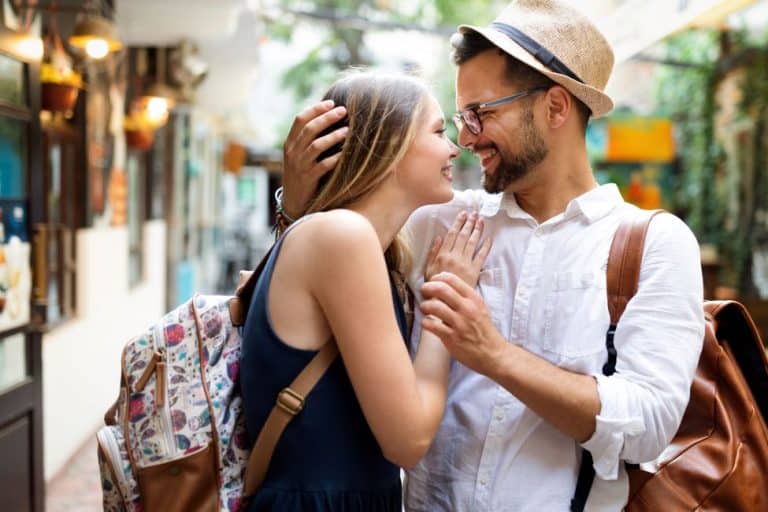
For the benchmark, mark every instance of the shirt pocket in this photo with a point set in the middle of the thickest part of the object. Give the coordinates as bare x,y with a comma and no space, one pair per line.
576,314
490,285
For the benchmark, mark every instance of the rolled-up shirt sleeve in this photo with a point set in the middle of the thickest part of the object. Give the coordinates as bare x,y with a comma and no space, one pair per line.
658,340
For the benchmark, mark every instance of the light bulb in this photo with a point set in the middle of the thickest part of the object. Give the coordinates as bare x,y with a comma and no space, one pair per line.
97,48
157,110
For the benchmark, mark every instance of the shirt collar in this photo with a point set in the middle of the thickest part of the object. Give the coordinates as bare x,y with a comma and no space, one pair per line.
594,205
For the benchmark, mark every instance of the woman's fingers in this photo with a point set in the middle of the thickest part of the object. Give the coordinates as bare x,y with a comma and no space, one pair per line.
474,238
453,232
465,232
482,253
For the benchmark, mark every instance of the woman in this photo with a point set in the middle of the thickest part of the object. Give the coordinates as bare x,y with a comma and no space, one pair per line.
328,278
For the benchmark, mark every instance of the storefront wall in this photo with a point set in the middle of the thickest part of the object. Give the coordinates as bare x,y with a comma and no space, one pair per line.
81,358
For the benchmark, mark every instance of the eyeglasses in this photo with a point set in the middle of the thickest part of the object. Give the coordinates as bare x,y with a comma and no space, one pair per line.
471,117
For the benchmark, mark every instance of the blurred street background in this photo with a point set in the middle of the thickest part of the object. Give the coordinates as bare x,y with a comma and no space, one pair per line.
140,150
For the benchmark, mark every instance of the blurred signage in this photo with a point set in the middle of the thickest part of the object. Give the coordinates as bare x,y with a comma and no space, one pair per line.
631,139
640,139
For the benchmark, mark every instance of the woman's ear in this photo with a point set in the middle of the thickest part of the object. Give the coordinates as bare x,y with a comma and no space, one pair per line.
559,104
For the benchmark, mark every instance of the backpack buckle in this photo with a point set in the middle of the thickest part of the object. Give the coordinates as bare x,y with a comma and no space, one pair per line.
290,401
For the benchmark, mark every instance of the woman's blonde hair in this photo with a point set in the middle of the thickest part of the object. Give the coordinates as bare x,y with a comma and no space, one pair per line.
383,112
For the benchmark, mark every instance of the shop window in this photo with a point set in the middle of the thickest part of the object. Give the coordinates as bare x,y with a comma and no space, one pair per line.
136,180
13,161
12,81
63,213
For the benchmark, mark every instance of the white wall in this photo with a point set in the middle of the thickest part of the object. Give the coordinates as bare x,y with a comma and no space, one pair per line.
81,358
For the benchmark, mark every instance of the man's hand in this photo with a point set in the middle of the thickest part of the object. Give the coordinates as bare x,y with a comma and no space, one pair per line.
458,251
301,170
456,313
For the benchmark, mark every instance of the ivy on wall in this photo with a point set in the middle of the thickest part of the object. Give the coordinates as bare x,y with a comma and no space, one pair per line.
717,95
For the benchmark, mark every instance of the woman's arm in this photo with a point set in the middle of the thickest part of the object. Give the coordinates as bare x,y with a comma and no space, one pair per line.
403,402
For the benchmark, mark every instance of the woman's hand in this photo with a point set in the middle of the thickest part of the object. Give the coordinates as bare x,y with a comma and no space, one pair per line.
458,251
301,170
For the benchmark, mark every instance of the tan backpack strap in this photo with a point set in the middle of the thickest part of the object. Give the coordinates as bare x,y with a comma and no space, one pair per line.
622,275
290,401
624,259
238,305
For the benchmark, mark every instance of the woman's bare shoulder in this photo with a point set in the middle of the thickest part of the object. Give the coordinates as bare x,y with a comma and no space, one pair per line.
338,232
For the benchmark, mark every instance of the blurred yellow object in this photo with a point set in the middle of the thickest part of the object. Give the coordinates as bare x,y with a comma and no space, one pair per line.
60,75
639,139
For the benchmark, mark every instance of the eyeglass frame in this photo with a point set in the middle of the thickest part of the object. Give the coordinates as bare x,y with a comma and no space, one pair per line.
459,120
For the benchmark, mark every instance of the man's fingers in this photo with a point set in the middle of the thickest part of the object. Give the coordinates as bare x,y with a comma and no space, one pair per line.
436,327
317,146
312,129
440,310
307,115
442,291
325,165
454,282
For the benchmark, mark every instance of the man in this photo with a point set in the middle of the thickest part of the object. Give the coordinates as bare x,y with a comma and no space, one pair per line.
527,391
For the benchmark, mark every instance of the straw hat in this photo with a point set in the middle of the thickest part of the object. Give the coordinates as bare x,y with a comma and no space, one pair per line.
558,41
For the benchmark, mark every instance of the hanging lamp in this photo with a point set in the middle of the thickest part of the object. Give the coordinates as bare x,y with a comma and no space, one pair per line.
95,35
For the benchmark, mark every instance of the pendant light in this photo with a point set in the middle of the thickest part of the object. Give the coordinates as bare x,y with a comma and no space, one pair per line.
95,35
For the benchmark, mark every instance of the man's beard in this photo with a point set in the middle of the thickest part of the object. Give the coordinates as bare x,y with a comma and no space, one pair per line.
512,168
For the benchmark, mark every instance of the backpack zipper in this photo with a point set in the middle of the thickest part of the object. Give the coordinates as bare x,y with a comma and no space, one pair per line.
106,440
161,390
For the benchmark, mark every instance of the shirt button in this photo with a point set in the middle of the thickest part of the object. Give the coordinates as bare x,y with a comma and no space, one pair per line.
499,416
483,481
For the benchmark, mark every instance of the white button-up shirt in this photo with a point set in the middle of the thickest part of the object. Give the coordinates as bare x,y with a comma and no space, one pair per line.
545,288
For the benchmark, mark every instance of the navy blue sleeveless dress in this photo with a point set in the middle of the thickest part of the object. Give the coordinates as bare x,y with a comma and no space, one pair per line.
327,458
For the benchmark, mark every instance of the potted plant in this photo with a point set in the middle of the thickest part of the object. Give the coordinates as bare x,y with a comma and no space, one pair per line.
139,133
60,83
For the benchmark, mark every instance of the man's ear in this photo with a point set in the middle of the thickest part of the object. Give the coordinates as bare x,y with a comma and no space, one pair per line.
559,104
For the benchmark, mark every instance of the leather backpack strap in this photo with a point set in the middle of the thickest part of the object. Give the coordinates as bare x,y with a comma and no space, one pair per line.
290,401
622,276
238,305
624,260
623,273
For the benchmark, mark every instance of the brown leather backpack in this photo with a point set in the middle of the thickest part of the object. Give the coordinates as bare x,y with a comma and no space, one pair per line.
718,459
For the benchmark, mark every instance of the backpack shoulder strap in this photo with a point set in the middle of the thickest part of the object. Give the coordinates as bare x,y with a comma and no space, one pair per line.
622,276
624,260
238,305
290,401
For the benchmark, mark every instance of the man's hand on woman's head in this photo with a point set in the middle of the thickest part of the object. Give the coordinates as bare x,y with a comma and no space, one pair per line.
301,170
457,252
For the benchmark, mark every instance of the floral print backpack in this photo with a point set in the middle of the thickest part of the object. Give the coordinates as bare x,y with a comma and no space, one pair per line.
175,439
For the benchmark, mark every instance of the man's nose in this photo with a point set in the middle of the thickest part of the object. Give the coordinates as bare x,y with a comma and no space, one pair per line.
465,138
